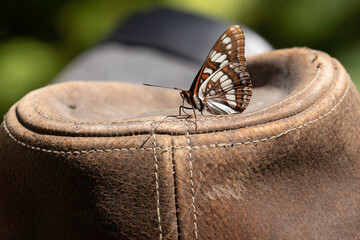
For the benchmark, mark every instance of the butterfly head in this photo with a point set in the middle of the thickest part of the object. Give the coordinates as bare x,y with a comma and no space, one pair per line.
186,96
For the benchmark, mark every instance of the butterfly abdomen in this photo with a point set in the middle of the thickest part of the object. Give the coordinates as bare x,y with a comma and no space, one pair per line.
197,103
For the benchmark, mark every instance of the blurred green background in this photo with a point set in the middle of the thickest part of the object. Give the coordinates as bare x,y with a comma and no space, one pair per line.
38,37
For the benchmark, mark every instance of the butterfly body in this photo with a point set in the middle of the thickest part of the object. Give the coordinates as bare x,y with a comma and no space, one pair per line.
223,85
192,100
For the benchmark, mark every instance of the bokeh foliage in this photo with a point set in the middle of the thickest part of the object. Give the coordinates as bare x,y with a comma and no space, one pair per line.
38,37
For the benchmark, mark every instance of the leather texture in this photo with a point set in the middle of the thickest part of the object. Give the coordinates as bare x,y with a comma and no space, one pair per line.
93,160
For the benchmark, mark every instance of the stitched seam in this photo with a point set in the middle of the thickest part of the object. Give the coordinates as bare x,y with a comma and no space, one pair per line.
219,145
192,181
157,184
213,118
290,97
219,117
175,190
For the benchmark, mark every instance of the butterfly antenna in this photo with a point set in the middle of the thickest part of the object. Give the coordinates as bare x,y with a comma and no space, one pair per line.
151,85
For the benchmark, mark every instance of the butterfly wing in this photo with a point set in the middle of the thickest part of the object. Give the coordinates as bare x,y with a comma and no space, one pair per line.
223,83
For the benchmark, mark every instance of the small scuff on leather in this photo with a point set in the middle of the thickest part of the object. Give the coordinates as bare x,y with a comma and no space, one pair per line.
72,106
227,191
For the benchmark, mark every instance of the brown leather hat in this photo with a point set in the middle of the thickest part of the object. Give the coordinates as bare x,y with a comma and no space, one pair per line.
77,161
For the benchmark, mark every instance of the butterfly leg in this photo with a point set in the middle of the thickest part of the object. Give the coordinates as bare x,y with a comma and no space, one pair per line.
195,118
182,108
182,105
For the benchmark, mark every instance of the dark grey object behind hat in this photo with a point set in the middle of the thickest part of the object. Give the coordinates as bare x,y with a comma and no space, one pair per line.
163,47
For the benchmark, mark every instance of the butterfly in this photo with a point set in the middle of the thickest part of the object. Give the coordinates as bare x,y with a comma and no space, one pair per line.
222,85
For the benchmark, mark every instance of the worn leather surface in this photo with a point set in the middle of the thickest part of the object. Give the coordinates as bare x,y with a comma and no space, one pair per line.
101,160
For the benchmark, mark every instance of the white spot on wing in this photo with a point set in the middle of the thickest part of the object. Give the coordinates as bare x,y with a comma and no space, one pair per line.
216,105
217,76
212,54
226,40
224,63
216,56
223,36
221,59
231,97
231,92
247,88
229,46
223,78
208,70
227,83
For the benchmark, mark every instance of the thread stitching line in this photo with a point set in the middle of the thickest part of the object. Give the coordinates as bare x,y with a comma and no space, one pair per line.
157,184
290,97
218,145
214,118
192,181
175,190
